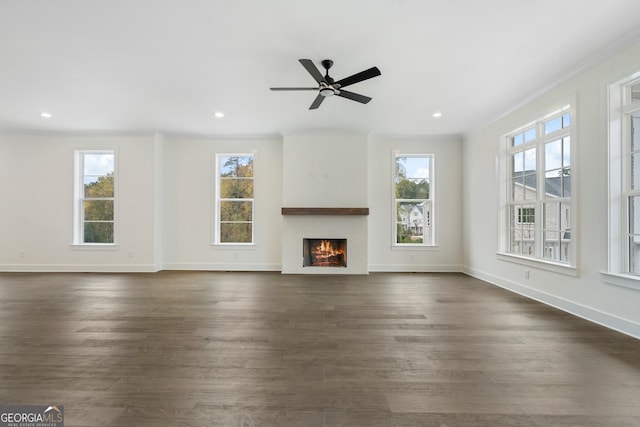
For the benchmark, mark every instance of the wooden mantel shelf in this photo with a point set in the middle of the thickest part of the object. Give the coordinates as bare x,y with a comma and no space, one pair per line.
325,211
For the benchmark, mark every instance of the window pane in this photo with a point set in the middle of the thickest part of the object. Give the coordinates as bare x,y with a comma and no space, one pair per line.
413,167
517,161
529,188
515,243
635,134
565,220
530,135
552,125
551,220
236,211
635,92
236,188
411,222
517,189
412,189
634,254
98,186
566,183
412,177
551,245
634,234
557,231
566,120
98,210
98,163
236,232
98,232
236,166
530,160
522,233
518,139
527,243
566,152
553,155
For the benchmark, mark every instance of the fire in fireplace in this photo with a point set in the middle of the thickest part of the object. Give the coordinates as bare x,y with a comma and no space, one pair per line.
324,252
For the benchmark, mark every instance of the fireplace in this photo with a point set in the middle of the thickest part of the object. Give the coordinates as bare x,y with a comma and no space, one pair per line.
324,252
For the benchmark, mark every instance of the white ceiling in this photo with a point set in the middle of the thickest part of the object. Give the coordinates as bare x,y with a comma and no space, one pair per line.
168,65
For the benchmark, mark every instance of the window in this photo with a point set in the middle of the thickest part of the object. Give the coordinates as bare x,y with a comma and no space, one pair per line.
624,177
526,216
537,198
94,213
413,201
234,199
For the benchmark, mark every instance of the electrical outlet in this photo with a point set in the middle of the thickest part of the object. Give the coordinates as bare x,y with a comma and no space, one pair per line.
526,274
22,253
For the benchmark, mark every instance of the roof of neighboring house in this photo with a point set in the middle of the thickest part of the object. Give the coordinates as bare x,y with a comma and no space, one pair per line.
553,186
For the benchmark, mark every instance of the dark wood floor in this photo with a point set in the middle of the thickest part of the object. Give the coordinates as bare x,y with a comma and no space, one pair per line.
245,349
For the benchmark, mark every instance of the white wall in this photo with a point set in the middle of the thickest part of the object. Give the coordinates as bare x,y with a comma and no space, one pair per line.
447,254
165,200
36,186
586,294
188,184
325,169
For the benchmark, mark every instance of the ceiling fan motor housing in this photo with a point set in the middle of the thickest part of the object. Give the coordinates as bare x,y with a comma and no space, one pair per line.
327,86
327,63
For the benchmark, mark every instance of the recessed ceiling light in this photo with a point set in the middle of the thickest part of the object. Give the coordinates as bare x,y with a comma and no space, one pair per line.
219,114
436,115
45,115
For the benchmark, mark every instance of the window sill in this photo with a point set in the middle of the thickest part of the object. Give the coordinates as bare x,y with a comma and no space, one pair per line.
538,263
94,246
234,246
415,247
628,281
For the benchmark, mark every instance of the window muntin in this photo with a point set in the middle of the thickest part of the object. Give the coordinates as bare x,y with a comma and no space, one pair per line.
413,200
234,199
538,199
94,213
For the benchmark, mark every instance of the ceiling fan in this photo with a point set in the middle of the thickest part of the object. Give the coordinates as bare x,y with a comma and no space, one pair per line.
328,87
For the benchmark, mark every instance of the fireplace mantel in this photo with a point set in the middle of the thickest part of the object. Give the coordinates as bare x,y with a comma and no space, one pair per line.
325,211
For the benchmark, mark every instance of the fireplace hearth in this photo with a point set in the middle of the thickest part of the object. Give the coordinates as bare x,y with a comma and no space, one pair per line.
324,252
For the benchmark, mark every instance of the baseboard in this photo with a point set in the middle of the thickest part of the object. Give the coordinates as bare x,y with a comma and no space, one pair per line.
591,314
414,268
78,268
220,266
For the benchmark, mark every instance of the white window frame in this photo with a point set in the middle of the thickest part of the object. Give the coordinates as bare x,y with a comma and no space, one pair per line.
537,258
217,200
429,221
621,107
79,198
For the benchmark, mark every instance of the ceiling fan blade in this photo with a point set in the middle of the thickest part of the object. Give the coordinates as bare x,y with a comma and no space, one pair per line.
358,77
316,102
312,69
293,88
354,96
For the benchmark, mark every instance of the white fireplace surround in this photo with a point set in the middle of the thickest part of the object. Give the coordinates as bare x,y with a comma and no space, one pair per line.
326,170
296,228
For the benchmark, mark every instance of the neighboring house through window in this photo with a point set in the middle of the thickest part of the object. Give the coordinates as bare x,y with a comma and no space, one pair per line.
94,198
537,197
234,199
413,200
